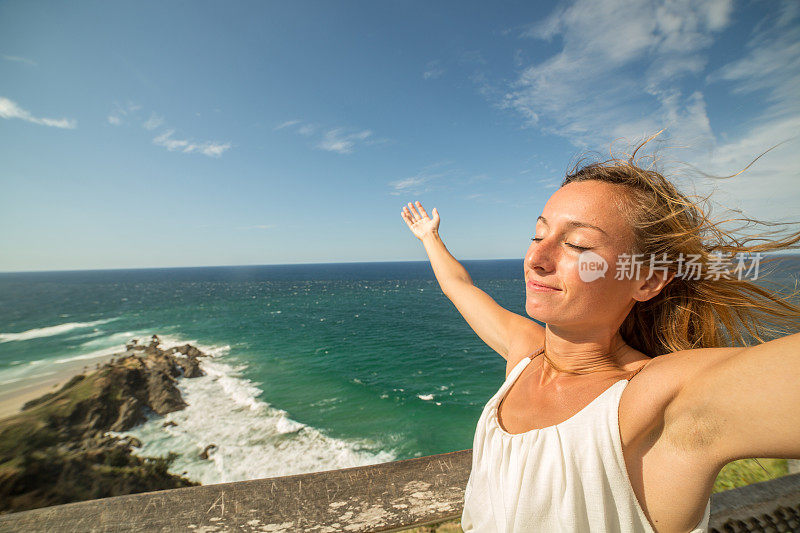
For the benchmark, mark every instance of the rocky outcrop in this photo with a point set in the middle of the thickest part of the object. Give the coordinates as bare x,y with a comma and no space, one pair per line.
209,448
55,451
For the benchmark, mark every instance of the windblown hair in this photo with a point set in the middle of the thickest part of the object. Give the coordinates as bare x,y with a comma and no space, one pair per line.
693,313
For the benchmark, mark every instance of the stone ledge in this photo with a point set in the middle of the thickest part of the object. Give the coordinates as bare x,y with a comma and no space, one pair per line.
384,497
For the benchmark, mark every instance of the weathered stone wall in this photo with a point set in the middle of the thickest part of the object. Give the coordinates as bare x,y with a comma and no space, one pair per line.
384,497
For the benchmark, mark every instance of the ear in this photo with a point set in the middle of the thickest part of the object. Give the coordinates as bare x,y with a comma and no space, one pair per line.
650,287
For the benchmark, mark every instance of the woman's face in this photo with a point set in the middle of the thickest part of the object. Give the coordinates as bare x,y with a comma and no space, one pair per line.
580,228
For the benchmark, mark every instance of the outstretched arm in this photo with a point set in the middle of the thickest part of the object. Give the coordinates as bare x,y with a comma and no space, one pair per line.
746,404
505,332
445,267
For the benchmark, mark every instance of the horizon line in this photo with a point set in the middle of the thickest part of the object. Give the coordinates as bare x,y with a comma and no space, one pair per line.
238,266
778,253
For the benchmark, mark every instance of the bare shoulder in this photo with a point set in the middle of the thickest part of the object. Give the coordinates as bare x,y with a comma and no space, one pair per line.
685,365
527,337
674,370
648,396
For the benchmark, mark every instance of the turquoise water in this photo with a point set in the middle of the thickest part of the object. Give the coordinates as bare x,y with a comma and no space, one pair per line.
316,366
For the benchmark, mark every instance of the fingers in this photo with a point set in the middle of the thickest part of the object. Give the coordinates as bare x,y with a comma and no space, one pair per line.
406,217
410,215
414,215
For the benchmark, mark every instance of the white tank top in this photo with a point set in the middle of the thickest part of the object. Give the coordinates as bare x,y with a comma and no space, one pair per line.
569,477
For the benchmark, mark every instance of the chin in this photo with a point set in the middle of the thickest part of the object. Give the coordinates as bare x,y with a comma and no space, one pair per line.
536,312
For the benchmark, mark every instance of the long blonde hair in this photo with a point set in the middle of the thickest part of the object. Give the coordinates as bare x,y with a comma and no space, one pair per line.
692,313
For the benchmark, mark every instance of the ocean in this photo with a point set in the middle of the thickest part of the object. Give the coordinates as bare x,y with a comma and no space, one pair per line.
315,367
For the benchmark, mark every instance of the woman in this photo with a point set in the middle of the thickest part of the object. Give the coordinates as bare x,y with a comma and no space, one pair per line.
571,442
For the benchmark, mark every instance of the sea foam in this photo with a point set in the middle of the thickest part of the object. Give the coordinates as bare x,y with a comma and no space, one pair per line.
50,331
253,439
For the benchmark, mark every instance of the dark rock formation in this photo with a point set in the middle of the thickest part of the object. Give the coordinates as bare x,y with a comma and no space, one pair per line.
55,451
204,455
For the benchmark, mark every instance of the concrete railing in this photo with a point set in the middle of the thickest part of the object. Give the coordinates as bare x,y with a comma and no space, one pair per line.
384,497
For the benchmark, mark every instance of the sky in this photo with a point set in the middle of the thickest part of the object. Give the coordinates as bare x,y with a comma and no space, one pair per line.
166,134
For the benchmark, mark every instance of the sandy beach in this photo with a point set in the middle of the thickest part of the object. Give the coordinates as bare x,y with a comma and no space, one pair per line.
14,395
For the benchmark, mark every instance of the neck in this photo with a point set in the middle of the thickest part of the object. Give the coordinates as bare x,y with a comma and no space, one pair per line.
581,354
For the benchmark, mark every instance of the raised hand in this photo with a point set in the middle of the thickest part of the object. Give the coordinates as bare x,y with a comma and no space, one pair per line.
420,223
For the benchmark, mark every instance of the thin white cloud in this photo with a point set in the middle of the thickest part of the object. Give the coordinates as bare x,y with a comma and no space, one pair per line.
214,149
433,70
337,140
772,64
549,183
594,86
770,189
155,121
420,182
208,148
170,144
286,124
302,129
343,143
166,139
258,226
619,72
406,184
307,130
117,116
9,110
18,59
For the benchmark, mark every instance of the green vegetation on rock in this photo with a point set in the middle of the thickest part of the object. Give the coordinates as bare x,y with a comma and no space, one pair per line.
56,450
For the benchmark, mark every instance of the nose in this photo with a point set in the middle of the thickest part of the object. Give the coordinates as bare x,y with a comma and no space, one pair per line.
540,255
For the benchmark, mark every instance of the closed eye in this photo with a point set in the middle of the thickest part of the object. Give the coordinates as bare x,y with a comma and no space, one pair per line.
581,248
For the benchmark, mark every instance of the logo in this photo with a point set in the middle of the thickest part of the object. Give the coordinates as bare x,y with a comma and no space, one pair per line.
591,266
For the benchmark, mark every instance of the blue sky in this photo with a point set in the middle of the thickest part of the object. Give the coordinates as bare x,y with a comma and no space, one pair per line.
155,134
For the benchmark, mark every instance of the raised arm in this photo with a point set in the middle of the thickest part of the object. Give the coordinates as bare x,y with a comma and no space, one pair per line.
505,332
745,402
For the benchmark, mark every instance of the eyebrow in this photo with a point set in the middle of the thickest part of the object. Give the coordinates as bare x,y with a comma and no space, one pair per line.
576,224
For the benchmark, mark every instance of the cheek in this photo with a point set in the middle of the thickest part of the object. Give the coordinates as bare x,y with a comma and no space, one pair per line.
593,271
578,283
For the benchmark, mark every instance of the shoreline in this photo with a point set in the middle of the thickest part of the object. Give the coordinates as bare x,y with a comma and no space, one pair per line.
61,449
15,395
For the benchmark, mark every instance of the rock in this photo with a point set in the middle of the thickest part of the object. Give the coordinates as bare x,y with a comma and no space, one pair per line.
190,351
168,424
190,366
130,414
163,364
204,455
60,438
162,395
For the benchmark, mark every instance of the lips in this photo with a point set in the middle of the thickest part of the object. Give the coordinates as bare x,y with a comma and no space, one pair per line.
540,286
